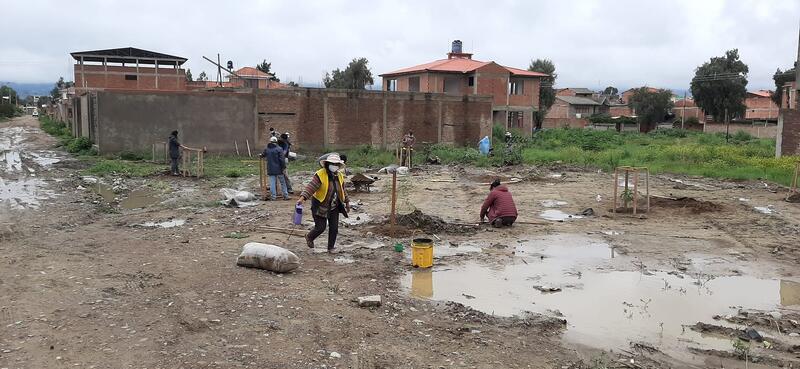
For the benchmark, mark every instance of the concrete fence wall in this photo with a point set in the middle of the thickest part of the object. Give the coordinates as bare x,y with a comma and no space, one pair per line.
757,130
788,142
316,118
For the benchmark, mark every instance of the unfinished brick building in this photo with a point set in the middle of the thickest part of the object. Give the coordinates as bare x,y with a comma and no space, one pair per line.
128,68
515,92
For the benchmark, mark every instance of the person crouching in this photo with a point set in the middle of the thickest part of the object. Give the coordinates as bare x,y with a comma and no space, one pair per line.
328,199
499,206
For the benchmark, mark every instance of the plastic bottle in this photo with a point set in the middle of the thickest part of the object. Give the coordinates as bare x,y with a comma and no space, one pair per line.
298,215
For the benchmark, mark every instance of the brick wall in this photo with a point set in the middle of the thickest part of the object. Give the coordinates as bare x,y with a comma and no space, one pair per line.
788,142
317,118
760,108
114,77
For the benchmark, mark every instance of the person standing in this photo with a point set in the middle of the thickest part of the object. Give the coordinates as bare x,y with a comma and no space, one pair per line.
275,168
328,199
174,152
407,149
499,206
285,145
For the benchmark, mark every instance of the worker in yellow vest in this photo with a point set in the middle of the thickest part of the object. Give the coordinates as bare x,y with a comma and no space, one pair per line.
328,199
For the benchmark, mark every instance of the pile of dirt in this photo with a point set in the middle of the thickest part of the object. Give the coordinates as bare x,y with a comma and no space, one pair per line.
432,224
693,205
794,197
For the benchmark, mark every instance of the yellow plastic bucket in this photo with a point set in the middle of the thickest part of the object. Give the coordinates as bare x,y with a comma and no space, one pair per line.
422,252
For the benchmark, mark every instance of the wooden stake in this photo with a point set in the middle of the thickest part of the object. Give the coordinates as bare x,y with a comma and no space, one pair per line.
237,147
627,176
647,186
635,191
616,184
393,215
248,148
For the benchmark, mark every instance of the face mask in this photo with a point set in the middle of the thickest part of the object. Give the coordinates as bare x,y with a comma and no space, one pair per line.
333,168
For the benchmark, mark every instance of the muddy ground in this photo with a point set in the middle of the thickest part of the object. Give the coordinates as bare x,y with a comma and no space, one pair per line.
141,273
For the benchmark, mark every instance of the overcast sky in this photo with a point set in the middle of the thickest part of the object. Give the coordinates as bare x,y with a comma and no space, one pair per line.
624,43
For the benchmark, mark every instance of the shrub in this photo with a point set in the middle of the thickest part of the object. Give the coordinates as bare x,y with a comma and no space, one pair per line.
741,137
79,145
130,155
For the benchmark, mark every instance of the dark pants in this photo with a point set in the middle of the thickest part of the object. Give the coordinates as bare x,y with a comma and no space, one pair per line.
333,227
174,166
288,182
503,222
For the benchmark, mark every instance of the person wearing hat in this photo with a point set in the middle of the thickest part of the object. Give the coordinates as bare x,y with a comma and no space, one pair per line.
283,142
499,206
328,199
275,168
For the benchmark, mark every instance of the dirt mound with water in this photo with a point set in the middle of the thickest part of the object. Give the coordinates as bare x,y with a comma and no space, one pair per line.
430,224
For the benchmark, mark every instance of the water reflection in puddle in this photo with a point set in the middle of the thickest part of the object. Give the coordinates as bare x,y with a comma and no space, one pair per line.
604,308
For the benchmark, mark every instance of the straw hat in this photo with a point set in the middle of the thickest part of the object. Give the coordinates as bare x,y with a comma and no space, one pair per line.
334,158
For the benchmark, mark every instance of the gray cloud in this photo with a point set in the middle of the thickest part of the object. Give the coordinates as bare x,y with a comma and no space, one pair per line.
623,43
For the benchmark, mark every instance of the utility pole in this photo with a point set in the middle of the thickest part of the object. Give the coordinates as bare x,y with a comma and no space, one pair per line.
797,74
219,72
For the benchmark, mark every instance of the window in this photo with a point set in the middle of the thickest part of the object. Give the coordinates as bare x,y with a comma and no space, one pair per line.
391,85
413,84
515,119
471,81
515,87
452,85
130,77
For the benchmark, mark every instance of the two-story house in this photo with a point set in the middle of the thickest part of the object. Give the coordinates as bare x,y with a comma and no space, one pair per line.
515,91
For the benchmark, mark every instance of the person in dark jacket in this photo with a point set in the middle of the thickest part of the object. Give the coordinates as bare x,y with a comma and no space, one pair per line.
328,199
285,145
174,152
499,206
275,168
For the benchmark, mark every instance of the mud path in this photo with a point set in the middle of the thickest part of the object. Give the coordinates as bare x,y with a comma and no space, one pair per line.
114,271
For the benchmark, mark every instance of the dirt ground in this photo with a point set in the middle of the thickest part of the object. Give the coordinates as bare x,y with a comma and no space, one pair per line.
85,284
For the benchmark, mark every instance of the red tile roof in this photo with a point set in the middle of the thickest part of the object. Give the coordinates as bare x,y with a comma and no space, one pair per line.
253,73
761,93
458,65
689,103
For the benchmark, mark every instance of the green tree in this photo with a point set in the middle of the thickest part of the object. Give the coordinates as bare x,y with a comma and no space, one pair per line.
189,75
265,67
780,79
611,91
355,77
60,85
720,86
292,84
547,94
202,77
8,95
651,106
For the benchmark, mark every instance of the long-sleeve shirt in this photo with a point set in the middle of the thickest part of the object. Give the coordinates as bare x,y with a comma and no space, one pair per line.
499,203
322,208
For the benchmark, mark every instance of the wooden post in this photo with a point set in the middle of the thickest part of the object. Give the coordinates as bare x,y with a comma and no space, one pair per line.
635,191
616,184
262,177
794,179
627,175
237,147
647,186
393,215
247,141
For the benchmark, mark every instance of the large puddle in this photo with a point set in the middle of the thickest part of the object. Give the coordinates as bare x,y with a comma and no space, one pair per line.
133,200
604,307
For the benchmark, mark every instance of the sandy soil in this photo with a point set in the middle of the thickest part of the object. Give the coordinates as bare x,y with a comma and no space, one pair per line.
84,285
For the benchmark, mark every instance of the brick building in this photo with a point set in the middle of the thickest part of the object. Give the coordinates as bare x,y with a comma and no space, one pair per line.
686,108
515,92
760,106
128,68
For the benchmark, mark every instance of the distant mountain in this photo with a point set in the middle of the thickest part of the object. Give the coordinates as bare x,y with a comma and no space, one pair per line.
29,89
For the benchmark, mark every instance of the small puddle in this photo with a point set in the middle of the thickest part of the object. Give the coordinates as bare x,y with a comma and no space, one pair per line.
23,193
166,224
764,209
604,307
12,160
558,215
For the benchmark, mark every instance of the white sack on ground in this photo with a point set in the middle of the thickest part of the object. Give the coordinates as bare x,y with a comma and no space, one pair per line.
269,257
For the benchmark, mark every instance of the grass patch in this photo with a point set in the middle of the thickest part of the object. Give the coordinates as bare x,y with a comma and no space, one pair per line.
74,145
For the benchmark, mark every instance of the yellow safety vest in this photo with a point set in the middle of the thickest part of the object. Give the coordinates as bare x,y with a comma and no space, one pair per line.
322,192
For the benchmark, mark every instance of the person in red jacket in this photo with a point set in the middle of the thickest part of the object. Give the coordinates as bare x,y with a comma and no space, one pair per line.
499,206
